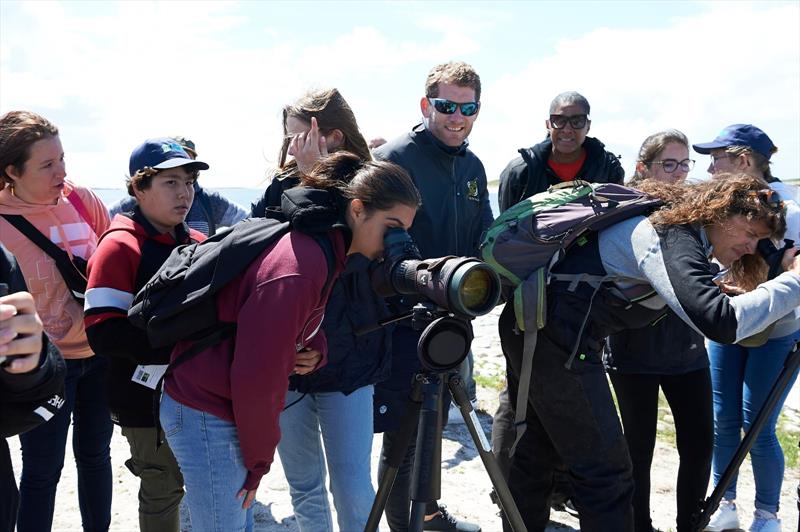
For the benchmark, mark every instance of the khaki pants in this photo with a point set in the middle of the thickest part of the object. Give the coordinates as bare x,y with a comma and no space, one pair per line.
161,486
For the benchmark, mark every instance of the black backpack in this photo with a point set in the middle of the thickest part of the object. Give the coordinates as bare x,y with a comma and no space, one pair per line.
179,301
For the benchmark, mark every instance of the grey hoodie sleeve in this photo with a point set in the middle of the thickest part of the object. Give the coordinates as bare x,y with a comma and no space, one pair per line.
225,212
674,262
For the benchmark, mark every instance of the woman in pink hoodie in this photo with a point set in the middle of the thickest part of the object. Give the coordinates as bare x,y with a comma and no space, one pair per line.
37,201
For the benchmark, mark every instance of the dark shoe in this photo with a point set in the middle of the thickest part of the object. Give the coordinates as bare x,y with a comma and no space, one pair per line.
445,521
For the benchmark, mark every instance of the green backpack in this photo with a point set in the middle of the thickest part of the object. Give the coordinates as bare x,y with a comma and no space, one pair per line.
530,238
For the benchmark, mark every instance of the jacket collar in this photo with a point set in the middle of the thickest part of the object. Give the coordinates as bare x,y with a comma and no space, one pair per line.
181,230
425,137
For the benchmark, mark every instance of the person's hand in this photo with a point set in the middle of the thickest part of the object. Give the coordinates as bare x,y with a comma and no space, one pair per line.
730,289
20,332
249,497
306,361
308,148
791,261
377,141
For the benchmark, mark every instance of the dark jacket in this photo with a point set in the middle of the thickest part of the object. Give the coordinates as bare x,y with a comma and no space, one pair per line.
29,399
455,207
530,174
128,255
353,361
455,212
667,347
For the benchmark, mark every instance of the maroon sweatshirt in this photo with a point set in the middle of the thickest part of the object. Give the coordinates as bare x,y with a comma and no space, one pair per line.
278,306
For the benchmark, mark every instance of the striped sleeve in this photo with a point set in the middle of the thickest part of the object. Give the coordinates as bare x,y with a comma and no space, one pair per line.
112,274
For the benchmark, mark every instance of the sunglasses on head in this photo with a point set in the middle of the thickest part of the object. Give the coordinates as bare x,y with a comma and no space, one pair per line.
447,107
769,197
561,121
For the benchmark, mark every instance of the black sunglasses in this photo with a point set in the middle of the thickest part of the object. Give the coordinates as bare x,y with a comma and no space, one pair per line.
447,107
576,122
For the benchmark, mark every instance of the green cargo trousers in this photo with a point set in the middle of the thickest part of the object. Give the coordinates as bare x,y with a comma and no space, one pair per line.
161,482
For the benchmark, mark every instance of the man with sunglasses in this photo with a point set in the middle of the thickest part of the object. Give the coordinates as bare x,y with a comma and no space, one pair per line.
565,155
454,213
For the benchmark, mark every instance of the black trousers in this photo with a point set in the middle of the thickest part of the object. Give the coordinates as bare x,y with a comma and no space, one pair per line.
571,418
9,495
503,432
689,398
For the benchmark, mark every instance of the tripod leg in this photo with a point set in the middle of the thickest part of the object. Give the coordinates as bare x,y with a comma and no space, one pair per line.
426,479
484,448
710,505
395,459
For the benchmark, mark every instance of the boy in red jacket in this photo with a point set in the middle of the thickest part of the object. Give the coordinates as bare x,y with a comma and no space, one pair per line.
137,243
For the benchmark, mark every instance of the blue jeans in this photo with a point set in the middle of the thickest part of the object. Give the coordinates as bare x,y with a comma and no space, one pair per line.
742,378
208,452
43,452
345,422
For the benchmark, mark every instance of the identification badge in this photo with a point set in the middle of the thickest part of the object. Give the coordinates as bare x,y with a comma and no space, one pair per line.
149,375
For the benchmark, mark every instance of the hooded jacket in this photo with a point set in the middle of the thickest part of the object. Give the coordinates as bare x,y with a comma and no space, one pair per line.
278,306
128,255
530,174
455,208
354,360
63,225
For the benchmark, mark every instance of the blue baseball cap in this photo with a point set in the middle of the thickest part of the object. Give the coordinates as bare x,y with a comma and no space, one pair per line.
739,135
162,153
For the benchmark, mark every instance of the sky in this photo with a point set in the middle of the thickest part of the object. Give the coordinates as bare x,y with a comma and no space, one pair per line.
111,74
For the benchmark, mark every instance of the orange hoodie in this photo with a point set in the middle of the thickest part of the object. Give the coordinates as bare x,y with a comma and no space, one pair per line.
63,225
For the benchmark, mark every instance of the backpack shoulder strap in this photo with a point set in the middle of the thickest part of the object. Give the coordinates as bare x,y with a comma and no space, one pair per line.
74,275
79,206
325,243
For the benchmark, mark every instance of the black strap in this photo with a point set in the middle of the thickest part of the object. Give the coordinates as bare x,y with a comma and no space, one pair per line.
72,270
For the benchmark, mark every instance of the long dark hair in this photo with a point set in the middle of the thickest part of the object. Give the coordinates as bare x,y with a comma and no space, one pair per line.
380,185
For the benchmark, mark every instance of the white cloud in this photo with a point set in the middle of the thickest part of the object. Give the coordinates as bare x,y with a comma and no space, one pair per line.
113,76
735,63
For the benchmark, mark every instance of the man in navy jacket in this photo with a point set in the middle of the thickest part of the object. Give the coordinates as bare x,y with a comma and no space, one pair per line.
455,212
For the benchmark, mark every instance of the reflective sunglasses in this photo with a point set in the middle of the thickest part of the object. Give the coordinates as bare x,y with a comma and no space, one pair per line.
448,107
561,121
670,165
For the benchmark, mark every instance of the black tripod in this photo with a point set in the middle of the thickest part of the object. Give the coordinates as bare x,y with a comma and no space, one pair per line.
701,518
424,411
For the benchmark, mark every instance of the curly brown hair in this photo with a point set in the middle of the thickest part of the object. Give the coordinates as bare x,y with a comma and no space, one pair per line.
712,202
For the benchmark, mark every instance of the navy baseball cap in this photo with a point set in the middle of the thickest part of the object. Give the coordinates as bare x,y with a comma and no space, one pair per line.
161,154
739,135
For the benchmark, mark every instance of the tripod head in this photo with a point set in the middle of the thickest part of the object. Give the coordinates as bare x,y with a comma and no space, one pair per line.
445,340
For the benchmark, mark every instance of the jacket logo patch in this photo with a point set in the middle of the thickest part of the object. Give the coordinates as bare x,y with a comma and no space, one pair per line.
56,402
472,190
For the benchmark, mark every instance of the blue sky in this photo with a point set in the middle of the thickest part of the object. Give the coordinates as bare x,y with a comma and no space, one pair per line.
111,74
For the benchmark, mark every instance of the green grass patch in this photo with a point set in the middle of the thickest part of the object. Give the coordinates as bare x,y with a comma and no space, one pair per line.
494,382
789,436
